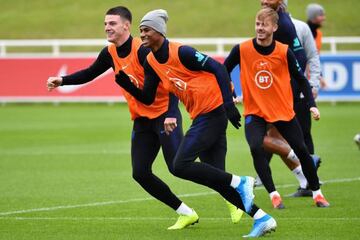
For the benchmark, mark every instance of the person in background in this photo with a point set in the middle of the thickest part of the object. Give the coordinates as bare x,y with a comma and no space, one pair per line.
315,19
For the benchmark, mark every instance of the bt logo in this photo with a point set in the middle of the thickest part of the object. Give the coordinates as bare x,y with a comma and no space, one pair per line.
263,79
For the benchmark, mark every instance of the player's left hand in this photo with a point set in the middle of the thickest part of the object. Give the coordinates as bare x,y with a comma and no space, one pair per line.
238,100
233,115
169,125
315,113
122,79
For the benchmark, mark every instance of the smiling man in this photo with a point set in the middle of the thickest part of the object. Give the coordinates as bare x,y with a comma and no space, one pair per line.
266,68
273,141
127,54
203,85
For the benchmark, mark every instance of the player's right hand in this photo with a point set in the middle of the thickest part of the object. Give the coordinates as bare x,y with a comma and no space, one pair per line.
169,125
233,114
315,113
53,82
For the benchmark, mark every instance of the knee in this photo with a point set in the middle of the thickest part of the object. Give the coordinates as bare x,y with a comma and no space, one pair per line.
178,169
267,142
137,177
171,169
140,176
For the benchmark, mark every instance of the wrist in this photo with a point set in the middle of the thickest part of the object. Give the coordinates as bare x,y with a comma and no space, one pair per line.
62,81
228,104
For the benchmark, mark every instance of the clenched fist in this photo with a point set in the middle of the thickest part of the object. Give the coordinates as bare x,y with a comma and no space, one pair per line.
53,82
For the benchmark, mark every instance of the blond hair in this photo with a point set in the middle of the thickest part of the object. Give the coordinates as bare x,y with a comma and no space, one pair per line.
268,12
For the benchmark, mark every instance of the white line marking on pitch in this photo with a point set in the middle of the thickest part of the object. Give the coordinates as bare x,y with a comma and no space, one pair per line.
150,198
166,219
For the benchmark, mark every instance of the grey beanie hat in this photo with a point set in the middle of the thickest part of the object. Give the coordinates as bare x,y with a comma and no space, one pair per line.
313,10
156,19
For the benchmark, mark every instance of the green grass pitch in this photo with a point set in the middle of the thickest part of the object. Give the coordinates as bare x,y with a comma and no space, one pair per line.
65,173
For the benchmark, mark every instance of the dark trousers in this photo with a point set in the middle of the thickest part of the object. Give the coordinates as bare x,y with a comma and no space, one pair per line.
206,139
147,137
255,130
303,116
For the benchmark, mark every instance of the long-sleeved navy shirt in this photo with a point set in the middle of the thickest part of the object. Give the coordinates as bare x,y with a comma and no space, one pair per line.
295,71
104,62
188,57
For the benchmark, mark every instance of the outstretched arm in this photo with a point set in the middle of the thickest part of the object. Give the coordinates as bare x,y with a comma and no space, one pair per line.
101,64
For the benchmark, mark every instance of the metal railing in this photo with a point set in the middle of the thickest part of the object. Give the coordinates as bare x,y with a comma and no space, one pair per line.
220,45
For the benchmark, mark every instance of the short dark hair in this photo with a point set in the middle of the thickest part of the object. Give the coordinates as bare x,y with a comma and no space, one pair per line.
121,11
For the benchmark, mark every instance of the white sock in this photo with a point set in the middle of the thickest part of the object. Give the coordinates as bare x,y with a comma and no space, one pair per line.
315,193
272,194
235,181
183,209
259,214
300,176
292,156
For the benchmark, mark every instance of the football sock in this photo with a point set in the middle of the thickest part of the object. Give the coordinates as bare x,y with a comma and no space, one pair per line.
272,194
300,176
259,214
292,156
315,193
183,209
235,181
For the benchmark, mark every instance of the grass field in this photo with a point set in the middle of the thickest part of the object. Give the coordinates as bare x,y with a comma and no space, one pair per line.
83,19
65,174
23,19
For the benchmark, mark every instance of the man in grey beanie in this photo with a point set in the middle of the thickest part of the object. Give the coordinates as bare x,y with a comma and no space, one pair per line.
156,19
316,16
314,10
153,34
193,77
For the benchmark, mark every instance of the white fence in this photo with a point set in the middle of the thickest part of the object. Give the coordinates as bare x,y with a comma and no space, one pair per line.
219,44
